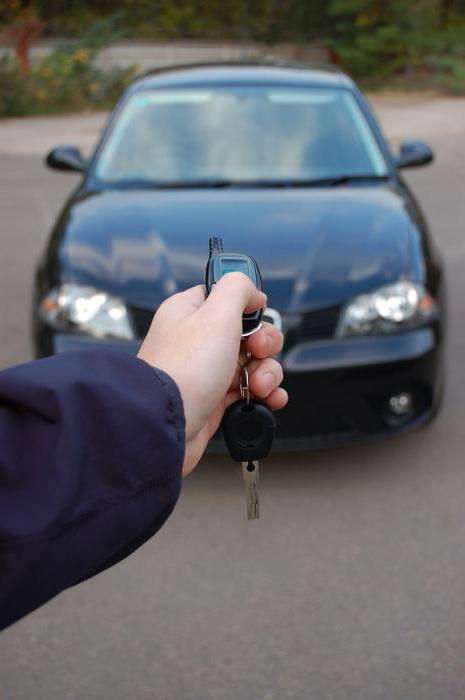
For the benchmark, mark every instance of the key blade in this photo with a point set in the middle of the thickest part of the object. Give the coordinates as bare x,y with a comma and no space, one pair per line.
250,475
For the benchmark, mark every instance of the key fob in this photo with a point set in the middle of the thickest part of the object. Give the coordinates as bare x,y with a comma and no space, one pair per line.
248,430
220,264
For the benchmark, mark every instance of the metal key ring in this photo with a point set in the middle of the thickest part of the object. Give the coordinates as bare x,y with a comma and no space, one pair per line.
254,330
244,385
247,357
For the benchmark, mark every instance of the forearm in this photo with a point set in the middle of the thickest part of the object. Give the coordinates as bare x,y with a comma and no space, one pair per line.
92,446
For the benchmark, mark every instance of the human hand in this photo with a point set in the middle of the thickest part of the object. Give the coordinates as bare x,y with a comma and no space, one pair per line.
196,341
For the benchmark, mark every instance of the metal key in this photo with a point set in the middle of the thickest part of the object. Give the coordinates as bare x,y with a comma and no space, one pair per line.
248,429
250,475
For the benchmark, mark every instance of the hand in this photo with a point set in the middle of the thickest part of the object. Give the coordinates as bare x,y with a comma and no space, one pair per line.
196,341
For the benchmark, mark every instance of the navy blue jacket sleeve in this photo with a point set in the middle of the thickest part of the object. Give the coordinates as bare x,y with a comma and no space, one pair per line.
91,452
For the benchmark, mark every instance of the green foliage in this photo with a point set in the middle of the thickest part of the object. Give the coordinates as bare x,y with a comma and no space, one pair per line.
380,52
259,20
369,38
65,80
104,31
14,98
406,42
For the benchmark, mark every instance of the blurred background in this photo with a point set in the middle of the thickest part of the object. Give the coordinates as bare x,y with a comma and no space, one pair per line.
352,586
76,54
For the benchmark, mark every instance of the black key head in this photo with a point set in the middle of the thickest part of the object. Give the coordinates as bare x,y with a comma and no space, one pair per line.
248,430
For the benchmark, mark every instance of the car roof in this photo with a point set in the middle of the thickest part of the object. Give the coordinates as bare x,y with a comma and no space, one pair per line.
243,73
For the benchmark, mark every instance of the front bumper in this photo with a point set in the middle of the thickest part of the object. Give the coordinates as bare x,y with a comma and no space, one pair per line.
338,389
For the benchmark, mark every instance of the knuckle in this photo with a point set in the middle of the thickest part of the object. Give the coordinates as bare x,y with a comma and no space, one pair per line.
279,373
274,334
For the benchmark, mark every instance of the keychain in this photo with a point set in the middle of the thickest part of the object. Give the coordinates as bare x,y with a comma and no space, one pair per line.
248,426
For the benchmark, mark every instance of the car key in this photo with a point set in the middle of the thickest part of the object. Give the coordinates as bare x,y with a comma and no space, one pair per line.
248,426
248,429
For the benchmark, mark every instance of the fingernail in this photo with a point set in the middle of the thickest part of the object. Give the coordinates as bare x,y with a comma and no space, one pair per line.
268,381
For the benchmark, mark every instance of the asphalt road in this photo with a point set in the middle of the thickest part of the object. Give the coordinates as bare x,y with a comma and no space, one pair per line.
350,587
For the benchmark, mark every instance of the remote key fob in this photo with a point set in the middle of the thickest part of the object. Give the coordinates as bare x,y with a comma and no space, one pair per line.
219,264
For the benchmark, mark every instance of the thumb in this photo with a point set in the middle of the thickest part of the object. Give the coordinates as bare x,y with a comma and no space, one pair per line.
232,296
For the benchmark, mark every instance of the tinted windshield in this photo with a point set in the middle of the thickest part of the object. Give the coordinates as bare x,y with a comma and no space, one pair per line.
239,134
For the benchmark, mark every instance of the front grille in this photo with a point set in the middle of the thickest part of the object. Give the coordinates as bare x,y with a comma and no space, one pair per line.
318,324
318,421
141,318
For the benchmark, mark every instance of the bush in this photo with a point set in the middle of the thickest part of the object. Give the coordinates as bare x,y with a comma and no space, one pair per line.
65,80
402,43
14,92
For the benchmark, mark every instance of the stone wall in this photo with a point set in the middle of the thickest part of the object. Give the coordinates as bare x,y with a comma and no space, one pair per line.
148,55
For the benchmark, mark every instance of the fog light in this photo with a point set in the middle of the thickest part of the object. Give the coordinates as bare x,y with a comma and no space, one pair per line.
401,404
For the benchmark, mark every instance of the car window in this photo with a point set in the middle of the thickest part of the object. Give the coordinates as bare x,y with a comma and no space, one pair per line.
239,134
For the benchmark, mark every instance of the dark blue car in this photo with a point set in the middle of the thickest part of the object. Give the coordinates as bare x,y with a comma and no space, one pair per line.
289,165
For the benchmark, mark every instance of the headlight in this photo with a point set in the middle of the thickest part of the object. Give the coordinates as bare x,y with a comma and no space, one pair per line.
72,307
391,308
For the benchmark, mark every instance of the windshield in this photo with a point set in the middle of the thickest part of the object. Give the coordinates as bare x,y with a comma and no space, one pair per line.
239,135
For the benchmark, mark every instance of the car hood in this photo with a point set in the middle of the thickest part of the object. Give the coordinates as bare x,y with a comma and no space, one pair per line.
315,247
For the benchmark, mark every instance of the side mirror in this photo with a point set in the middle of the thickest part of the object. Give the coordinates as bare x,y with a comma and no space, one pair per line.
414,153
66,158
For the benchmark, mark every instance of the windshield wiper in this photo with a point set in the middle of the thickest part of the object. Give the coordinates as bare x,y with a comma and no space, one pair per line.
314,182
265,183
136,183
331,181
193,184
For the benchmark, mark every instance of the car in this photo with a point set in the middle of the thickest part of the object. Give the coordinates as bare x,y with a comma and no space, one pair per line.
288,164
